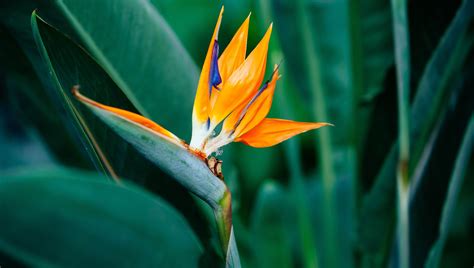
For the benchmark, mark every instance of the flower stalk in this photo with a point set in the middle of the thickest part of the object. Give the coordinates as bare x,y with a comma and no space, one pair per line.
223,216
402,59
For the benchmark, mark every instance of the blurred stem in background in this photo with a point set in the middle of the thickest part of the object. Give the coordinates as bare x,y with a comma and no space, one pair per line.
456,181
312,66
402,60
306,234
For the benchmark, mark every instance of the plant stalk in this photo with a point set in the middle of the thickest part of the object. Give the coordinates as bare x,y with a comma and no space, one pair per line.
223,215
402,59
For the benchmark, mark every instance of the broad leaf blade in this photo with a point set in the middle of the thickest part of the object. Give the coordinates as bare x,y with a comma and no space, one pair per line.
137,49
69,65
130,40
272,217
76,219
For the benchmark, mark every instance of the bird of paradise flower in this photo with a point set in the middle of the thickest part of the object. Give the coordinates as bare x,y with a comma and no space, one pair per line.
230,93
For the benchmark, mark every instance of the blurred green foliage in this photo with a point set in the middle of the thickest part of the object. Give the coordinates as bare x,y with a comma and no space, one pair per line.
326,199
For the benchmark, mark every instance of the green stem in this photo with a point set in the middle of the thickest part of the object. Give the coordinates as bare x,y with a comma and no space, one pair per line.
223,215
402,59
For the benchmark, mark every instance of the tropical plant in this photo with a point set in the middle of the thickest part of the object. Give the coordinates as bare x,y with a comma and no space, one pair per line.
90,173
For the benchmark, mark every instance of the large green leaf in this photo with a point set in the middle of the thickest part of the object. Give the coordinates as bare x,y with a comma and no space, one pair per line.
271,233
69,65
138,53
134,45
176,161
76,219
65,63
27,105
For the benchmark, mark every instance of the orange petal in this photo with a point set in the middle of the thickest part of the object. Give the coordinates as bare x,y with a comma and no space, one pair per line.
252,113
234,53
143,121
273,131
201,102
243,83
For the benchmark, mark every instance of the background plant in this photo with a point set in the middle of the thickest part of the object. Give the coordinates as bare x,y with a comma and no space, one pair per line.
327,199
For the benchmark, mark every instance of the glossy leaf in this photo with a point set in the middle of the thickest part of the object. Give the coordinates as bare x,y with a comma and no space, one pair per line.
271,236
82,220
139,45
115,39
70,65
29,108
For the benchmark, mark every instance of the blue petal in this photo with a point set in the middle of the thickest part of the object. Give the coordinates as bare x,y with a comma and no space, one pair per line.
214,75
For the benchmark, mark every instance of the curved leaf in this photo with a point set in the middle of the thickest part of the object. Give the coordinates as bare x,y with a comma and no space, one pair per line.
130,40
138,50
76,219
69,65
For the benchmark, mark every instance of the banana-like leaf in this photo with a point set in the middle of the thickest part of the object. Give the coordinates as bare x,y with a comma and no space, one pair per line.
179,163
132,42
67,218
137,53
174,159
26,98
69,65
129,39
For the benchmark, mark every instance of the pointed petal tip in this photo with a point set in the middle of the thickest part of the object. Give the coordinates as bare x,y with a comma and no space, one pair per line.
272,131
268,33
218,24
247,22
